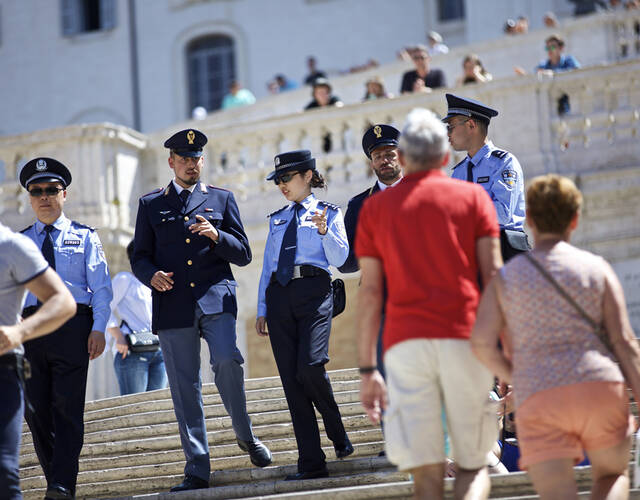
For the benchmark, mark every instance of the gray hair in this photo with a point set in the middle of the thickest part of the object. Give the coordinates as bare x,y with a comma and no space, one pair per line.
424,139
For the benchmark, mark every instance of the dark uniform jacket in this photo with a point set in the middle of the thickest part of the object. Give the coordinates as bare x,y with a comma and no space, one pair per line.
350,224
202,273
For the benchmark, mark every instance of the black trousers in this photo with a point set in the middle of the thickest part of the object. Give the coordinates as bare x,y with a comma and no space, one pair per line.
299,322
56,390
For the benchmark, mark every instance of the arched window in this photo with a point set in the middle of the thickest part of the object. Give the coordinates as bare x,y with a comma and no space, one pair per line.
211,69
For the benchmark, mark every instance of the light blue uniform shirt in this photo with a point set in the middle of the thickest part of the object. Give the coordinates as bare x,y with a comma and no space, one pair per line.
81,264
500,174
312,249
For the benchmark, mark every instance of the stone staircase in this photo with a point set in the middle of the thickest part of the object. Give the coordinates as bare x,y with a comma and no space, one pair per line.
132,447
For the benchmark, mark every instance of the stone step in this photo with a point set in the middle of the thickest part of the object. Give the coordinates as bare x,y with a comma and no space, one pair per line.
222,456
160,410
234,483
219,431
163,421
350,374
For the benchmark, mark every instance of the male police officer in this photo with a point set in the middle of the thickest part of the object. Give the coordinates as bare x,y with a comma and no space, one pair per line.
380,144
22,267
185,238
496,170
59,362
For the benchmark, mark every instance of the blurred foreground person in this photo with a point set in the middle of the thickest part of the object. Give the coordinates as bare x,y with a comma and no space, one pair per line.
562,307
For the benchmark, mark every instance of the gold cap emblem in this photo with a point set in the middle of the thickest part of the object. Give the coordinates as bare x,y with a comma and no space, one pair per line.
378,131
191,135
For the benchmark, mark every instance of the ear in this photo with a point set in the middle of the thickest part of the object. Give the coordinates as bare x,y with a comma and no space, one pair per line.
574,222
445,159
401,158
170,160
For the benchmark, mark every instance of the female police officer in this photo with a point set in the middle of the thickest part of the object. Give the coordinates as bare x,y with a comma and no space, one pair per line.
295,302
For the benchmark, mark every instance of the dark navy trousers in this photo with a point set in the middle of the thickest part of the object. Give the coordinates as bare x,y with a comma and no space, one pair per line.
56,389
299,323
11,410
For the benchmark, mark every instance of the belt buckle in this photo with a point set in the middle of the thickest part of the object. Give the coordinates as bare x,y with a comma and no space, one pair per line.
296,272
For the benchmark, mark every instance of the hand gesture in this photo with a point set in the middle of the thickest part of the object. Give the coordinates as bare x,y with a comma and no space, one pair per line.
162,281
122,347
204,228
320,220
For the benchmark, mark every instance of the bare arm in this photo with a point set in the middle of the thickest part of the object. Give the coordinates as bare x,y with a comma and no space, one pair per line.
373,393
623,340
486,332
489,257
58,306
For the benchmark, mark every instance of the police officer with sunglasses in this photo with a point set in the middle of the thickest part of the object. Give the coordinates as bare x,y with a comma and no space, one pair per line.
295,304
60,361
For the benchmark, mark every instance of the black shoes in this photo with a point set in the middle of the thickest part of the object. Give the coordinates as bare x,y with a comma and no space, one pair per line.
258,453
56,491
191,483
345,450
314,474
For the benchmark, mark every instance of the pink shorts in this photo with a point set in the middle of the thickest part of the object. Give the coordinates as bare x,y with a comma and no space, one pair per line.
563,421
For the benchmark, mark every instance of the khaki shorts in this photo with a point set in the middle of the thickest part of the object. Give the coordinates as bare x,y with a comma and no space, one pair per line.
423,375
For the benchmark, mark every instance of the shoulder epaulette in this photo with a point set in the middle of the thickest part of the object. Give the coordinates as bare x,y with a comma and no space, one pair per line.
79,224
26,228
330,205
499,153
279,210
217,187
152,192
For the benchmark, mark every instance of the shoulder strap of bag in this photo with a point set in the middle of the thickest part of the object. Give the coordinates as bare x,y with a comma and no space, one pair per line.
596,328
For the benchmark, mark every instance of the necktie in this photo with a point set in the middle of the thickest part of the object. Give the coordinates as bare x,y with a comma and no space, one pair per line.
287,257
469,171
184,196
47,246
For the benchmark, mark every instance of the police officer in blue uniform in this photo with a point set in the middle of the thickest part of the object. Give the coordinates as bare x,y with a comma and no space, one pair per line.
186,237
496,170
295,305
22,268
59,361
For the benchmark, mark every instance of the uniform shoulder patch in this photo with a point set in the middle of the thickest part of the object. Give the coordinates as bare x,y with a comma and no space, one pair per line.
78,224
275,212
499,153
26,229
152,192
329,205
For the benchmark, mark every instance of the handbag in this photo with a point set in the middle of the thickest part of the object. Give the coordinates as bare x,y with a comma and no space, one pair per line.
339,297
141,341
598,330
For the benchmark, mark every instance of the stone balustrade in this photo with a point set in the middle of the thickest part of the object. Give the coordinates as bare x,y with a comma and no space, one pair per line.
596,142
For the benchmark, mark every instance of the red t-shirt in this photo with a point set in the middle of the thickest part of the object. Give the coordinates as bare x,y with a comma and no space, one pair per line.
424,231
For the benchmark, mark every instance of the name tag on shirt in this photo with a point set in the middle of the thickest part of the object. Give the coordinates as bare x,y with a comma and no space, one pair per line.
482,180
71,242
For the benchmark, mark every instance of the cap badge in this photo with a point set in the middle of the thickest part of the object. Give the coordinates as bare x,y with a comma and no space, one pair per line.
41,165
378,131
191,135
277,161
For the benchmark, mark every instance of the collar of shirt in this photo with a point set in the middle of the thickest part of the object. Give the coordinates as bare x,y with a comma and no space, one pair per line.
483,152
179,188
383,186
308,203
59,224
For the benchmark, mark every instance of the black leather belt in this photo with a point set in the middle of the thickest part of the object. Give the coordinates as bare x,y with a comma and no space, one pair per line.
82,310
304,271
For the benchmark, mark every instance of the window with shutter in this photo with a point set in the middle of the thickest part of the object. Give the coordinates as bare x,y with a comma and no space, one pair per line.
84,16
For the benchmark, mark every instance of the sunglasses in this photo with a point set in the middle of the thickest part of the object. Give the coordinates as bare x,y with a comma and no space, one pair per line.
284,178
49,191
550,47
451,126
